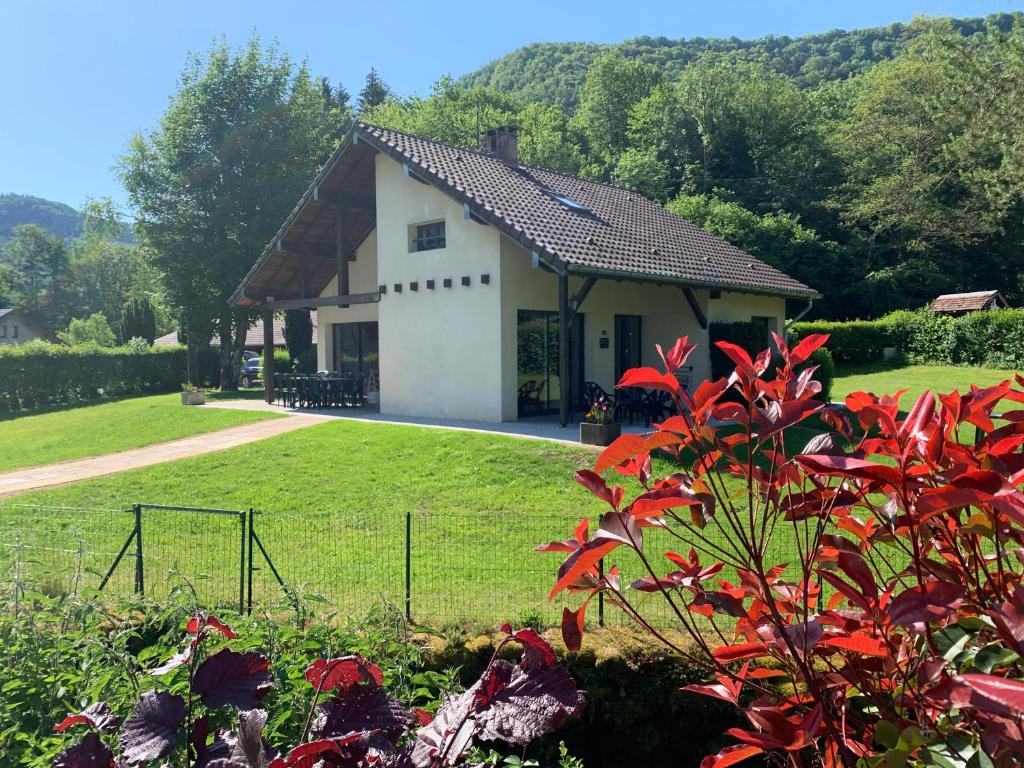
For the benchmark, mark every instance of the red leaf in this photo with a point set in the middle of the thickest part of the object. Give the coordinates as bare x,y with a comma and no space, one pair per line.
847,466
231,678
989,693
594,483
90,752
677,355
728,653
307,755
938,600
656,501
211,622
730,756
97,716
342,673
806,348
538,652
649,378
152,730
572,627
627,447
581,561
785,415
859,643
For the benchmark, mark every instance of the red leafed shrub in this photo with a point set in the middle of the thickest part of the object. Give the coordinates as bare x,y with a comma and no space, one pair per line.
352,722
895,636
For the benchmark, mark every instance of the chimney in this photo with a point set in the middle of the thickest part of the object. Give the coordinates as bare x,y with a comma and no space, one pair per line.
502,142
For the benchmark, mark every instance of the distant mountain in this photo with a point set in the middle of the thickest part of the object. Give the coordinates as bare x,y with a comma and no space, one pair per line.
553,72
56,218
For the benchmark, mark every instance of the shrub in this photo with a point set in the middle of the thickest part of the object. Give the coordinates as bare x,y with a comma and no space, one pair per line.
351,720
895,635
851,343
90,330
38,374
282,361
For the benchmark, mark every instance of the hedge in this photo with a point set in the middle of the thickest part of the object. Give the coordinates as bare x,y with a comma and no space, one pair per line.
993,338
37,375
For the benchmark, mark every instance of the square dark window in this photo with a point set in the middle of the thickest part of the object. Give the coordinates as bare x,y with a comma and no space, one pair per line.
429,236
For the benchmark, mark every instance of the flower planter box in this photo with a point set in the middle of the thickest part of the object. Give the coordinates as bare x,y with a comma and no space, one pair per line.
193,397
599,434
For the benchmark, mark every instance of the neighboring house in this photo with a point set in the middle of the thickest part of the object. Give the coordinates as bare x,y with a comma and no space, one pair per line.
15,328
455,280
254,339
961,303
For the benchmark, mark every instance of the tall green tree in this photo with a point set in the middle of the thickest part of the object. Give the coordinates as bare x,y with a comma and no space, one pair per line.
374,93
34,261
614,86
239,143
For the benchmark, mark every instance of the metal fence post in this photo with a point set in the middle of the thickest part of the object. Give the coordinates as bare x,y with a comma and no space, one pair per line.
241,564
252,514
140,583
600,595
408,565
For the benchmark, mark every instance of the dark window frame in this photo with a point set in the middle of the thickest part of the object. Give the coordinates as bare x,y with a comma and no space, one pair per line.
430,236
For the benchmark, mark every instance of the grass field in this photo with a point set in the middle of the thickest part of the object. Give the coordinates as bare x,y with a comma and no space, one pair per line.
93,430
336,500
914,378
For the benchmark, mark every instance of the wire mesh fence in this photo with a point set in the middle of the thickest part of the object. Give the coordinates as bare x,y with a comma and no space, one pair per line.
444,568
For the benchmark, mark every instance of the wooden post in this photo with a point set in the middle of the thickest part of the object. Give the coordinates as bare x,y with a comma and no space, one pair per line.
268,355
341,254
564,356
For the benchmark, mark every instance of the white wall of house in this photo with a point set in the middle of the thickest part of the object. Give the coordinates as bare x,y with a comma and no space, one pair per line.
362,276
440,348
15,328
452,352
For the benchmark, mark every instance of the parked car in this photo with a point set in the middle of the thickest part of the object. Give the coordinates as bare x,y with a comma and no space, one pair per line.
252,371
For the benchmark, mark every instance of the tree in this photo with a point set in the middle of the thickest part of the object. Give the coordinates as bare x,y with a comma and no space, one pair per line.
138,321
91,330
642,171
298,332
33,262
614,86
374,93
240,142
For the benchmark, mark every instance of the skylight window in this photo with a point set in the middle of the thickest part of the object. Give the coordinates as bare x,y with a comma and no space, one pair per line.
567,201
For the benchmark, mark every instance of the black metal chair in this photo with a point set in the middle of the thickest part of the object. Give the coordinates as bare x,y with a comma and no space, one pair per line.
529,396
656,405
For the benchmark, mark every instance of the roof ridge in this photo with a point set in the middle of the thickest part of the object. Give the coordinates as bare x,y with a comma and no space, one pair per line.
518,166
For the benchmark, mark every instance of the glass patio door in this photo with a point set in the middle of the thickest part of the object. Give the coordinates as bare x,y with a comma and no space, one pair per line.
357,350
539,383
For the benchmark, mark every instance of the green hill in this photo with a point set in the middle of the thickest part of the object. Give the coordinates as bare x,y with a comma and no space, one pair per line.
553,72
56,218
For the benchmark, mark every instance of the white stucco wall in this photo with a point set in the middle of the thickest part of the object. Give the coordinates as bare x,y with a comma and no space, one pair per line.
665,316
737,307
362,276
440,349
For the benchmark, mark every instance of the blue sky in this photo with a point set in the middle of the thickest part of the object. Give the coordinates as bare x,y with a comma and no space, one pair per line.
78,78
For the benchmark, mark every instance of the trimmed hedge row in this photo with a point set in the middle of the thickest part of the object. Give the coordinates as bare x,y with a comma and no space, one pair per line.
37,375
993,338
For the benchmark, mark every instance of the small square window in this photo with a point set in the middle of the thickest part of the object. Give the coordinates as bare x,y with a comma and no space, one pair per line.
427,237
15,334
3,331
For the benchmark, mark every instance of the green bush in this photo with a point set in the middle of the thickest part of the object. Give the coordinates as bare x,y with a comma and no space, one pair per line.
852,343
282,361
826,372
993,339
39,374
750,336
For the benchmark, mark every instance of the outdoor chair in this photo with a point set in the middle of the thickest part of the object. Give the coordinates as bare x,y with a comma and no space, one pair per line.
529,396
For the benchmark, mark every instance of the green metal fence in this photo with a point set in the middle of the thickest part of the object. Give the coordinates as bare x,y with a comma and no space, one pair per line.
443,568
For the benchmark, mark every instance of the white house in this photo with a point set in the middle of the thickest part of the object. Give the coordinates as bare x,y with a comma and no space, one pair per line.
465,285
16,328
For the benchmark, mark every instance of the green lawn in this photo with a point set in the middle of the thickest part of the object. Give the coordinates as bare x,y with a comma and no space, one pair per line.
93,430
914,378
336,498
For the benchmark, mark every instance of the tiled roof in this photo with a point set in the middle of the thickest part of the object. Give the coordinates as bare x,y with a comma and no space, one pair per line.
966,302
254,338
613,231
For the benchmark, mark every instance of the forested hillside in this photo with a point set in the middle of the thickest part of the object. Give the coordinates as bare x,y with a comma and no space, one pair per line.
881,189
56,218
553,73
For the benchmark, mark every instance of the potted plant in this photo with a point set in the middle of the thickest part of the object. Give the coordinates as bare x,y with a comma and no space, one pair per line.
599,426
192,394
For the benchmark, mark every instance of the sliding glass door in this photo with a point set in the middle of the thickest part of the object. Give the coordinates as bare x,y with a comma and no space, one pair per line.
539,383
356,350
